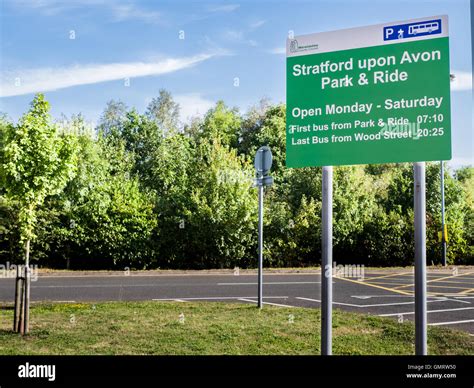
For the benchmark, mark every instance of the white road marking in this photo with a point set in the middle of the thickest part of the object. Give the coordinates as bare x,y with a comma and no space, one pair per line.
273,304
121,275
445,295
429,311
368,305
317,300
450,323
264,283
221,298
101,286
445,298
457,300
381,296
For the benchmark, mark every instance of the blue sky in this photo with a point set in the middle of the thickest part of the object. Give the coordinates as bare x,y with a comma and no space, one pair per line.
223,42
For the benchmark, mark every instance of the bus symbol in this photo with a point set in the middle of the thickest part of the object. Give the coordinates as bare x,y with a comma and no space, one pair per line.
424,28
413,30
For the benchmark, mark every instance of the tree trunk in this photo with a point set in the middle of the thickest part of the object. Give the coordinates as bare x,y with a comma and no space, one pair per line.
18,295
26,329
21,322
26,288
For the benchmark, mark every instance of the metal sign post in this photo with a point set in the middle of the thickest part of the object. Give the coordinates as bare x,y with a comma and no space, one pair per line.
420,259
260,247
263,163
443,228
326,264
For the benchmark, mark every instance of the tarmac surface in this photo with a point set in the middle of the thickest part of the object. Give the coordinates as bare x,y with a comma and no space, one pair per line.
379,292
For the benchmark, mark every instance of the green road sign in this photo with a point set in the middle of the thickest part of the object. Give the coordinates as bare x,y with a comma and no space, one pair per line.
375,94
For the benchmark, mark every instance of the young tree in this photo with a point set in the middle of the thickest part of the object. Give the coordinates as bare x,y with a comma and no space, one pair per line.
265,126
36,161
221,123
112,118
164,111
222,207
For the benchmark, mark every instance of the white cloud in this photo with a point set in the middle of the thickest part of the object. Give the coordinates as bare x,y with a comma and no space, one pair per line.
120,11
192,105
224,8
128,11
462,80
45,7
234,35
458,162
238,36
257,24
277,50
46,79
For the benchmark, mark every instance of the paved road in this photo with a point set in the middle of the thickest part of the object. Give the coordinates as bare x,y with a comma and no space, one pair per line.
450,303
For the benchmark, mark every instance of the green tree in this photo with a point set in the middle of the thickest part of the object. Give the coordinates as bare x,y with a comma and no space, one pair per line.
221,123
102,219
36,161
222,207
205,204
465,177
265,125
171,184
113,117
164,111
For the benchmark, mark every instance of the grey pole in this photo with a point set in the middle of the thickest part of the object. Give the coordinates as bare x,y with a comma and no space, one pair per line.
260,246
420,259
326,263
443,235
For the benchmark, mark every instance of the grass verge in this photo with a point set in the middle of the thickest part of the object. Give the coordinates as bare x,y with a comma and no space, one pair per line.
175,328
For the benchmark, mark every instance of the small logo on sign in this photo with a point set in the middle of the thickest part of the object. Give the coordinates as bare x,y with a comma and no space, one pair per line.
295,47
412,30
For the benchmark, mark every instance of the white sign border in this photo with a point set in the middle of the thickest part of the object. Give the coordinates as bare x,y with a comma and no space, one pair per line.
359,37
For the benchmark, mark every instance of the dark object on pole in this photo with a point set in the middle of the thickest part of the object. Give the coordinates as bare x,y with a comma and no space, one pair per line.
326,263
263,161
420,259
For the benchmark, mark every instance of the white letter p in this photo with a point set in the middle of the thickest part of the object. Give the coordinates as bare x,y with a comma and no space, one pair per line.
388,32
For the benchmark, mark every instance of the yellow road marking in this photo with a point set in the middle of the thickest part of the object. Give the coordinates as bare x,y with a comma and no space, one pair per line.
388,284
444,294
452,276
453,282
467,291
387,276
430,285
462,288
466,285
376,286
437,280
